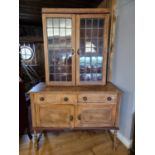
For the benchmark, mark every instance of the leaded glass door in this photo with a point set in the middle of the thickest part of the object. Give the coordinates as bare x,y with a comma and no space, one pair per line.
59,46
91,43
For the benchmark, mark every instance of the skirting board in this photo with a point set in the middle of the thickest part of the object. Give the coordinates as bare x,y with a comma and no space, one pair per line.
124,140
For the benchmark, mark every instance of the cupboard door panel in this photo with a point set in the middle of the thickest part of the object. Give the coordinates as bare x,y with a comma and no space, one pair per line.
55,116
92,43
95,115
59,47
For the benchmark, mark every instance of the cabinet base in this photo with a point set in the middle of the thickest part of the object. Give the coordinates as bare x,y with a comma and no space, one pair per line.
42,131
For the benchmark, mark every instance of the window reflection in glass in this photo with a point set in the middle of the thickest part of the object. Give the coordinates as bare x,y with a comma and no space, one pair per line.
91,49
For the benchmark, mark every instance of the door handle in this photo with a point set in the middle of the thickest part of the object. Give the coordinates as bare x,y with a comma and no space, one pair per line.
79,117
71,117
78,51
73,51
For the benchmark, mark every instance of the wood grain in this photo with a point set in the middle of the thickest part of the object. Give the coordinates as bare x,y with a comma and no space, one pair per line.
112,39
73,143
75,10
52,107
50,115
97,98
95,115
108,88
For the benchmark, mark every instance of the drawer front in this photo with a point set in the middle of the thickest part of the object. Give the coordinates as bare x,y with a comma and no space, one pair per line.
97,98
46,98
55,98
68,99
95,115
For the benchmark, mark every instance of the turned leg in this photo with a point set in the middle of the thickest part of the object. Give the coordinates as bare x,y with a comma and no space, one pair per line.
35,140
115,140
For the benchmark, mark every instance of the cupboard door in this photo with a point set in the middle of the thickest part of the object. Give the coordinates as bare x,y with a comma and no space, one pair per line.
55,116
95,115
91,43
59,48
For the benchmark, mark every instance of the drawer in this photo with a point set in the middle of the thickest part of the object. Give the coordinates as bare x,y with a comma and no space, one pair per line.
46,98
55,98
97,98
68,98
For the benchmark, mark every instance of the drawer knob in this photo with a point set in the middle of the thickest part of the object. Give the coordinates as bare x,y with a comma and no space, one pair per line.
85,98
42,98
109,98
66,99
79,117
71,118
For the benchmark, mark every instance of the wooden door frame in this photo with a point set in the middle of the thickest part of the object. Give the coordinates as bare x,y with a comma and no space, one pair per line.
105,49
44,17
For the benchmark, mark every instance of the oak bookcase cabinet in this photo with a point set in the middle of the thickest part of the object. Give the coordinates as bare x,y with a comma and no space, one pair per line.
76,94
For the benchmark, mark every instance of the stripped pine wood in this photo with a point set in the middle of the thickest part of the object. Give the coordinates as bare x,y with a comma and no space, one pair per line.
72,143
112,38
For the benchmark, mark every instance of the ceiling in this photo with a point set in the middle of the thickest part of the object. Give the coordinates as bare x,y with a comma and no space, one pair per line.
30,10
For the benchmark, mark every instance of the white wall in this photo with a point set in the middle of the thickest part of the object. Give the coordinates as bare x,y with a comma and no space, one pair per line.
123,70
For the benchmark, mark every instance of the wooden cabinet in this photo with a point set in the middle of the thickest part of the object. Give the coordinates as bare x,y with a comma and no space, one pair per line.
75,94
75,48
75,106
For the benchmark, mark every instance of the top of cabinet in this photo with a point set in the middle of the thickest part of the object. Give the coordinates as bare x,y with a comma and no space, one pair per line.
75,10
42,87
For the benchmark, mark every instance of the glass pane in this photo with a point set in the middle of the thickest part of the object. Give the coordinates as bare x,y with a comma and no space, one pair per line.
56,32
94,33
95,23
68,42
91,49
82,43
88,33
68,23
82,23
51,57
88,23
88,50
56,42
68,32
101,23
100,43
59,48
100,33
49,22
62,32
56,22
50,32
88,44
82,33
62,23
